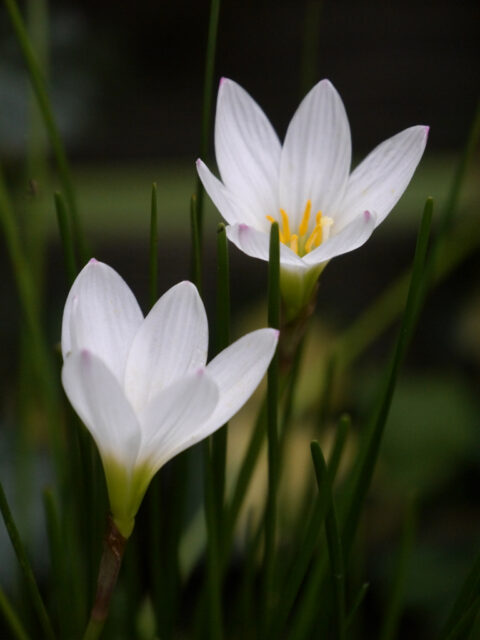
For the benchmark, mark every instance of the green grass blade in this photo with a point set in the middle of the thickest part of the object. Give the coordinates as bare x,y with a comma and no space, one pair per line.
393,610
310,42
66,237
196,244
11,618
310,537
272,430
207,101
464,626
368,456
327,392
153,262
445,255
39,86
220,438
25,567
334,543
343,429
470,589
357,603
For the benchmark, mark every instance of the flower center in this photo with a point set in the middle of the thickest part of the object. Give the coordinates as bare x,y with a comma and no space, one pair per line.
303,242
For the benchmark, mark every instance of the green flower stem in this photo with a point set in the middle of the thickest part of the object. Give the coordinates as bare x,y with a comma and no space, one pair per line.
110,563
38,83
153,263
25,567
207,102
272,431
470,589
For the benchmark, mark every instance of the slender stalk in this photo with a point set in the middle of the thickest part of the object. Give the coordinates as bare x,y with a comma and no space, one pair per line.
153,263
272,425
469,590
25,567
207,101
39,87
110,563
310,41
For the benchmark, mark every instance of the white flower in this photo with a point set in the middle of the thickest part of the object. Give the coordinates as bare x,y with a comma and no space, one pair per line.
322,209
141,385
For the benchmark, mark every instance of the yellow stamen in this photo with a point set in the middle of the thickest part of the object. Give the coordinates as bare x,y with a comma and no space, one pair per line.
270,218
314,238
285,226
294,243
303,228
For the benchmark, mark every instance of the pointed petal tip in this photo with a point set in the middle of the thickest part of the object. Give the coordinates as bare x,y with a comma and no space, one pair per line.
367,215
93,261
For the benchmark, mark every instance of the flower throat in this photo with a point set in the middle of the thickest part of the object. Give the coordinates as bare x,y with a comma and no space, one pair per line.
303,242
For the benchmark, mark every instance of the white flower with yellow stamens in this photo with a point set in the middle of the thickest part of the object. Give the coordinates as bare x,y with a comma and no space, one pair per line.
141,385
305,185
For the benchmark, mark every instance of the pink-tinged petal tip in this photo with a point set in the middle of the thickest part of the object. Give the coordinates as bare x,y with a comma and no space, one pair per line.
93,261
277,333
367,215
222,80
243,227
198,162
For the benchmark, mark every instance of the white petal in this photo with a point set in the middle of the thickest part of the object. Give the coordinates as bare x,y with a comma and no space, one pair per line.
379,181
101,315
172,341
349,238
247,150
230,207
98,399
171,419
316,154
238,370
256,244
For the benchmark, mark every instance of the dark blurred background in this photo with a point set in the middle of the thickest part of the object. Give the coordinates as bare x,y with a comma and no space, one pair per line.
126,81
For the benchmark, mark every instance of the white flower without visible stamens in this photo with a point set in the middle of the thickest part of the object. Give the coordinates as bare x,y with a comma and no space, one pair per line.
141,385
305,185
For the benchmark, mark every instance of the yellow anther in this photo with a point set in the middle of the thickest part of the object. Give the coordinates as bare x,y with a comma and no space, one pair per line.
315,238
285,226
303,228
294,243
270,218
318,218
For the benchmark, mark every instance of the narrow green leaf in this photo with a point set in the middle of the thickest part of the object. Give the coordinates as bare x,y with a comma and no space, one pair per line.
66,237
357,603
368,456
272,430
11,618
343,429
310,42
334,543
310,536
327,392
446,253
470,589
153,262
393,609
207,102
219,439
25,567
39,86
463,627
